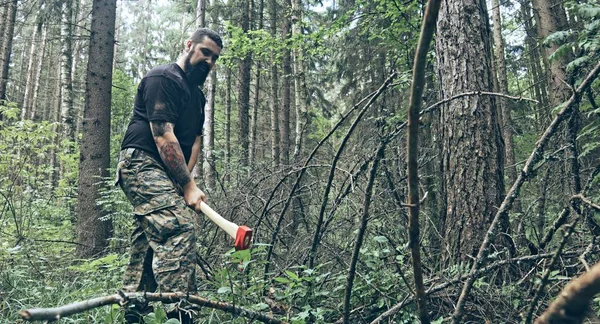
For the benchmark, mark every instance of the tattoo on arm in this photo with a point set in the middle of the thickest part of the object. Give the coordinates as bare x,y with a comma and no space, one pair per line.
172,156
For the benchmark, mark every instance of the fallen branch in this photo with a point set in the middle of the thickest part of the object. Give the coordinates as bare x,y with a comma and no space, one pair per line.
573,303
50,314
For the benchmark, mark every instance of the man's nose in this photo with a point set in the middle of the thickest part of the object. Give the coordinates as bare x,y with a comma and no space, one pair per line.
210,61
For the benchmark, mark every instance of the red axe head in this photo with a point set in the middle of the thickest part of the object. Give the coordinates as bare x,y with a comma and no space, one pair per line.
243,238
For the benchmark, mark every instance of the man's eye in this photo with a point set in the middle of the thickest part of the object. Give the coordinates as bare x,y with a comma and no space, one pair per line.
206,52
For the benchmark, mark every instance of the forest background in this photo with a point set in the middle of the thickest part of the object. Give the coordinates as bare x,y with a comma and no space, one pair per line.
308,141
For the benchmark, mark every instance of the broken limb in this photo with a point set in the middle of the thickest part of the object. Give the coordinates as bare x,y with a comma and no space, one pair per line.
572,304
49,314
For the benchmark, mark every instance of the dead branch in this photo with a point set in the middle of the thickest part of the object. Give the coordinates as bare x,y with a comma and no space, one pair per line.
535,156
361,232
416,94
573,303
587,201
50,314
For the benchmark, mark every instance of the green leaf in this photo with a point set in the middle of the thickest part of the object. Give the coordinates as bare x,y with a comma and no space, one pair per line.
380,239
282,280
224,290
292,275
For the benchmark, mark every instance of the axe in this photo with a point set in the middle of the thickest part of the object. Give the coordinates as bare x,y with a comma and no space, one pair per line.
241,234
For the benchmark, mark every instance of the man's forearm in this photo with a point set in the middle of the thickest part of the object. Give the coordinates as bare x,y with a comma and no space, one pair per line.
171,153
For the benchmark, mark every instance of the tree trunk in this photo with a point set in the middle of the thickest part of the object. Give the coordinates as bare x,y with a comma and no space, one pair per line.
56,118
201,13
228,126
550,17
287,88
35,115
472,150
244,92
32,72
539,83
275,136
11,13
503,88
69,116
209,133
256,102
299,80
92,232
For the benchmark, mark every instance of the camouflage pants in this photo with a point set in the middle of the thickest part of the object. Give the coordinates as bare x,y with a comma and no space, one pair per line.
163,255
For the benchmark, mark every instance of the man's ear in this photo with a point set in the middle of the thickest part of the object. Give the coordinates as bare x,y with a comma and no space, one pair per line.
188,45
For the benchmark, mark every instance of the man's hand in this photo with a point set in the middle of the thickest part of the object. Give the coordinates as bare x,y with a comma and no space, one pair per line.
193,196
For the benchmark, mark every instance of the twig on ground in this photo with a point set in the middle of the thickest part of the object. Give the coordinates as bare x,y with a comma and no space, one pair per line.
50,314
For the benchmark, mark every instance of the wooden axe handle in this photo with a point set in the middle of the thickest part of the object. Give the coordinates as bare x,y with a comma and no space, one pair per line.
227,226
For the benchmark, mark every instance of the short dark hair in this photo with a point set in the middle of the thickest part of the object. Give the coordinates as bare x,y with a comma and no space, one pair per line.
200,33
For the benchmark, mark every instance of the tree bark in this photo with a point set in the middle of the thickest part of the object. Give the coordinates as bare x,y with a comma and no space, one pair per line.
299,80
92,231
244,68
275,136
69,116
472,150
286,97
209,133
35,115
32,72
228,125
256,102
503,88
201,13
11,13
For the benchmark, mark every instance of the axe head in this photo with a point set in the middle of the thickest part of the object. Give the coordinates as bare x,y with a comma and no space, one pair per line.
243,238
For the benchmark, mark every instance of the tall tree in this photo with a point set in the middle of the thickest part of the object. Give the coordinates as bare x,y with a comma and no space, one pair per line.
299,79
69,115
286,96
36,51
472,151
256,101
209,133
7,42
244,68
92,231
275,136
503,88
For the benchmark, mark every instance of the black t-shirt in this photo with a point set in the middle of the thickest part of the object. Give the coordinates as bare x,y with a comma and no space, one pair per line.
165,95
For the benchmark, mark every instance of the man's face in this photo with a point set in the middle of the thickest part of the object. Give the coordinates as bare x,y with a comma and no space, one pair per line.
201,59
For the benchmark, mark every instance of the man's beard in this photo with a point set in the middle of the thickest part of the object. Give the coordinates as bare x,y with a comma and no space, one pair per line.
196,74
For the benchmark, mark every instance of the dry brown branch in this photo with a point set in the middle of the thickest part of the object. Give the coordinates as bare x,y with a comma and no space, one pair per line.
573,302
416,94
50,314
587,202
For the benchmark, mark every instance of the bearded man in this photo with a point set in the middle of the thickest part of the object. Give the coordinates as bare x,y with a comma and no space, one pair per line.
158,153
